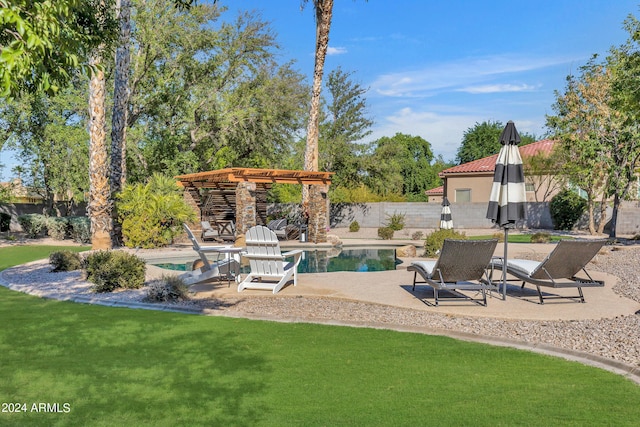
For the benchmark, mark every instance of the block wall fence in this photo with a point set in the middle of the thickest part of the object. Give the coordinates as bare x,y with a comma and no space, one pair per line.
417,215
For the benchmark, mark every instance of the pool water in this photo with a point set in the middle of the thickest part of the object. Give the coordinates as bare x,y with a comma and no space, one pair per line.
322,261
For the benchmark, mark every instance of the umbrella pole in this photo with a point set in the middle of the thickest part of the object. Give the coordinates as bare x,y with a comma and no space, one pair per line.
504,265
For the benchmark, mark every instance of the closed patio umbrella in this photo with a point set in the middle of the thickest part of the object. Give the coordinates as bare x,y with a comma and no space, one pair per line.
446,223
507,201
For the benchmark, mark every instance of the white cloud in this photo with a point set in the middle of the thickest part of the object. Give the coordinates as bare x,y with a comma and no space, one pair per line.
460,74
498,88
336,50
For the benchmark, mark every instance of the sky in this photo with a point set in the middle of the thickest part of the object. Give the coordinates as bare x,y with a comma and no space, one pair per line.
436,68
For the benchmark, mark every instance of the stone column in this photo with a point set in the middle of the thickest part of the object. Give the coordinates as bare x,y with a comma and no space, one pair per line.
245,206
318,213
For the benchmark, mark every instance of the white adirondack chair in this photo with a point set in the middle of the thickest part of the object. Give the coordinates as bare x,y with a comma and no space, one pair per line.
269,269
228,267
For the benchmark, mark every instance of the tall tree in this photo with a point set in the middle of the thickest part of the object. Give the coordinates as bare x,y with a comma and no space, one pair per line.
599,117
49,135
345,125
208,94
120,96
118,168
582,111
401,165
483,140
43,42
323,13
100,203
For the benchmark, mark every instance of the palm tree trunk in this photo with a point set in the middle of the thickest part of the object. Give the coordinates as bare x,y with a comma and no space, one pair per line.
120,110
99,207
324,11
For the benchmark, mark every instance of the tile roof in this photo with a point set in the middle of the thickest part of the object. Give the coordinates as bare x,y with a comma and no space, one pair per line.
438,191
488,164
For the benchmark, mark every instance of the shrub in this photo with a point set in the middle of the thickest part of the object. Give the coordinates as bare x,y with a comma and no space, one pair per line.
540,237
498,235
566,208
57,227
396,221
80,229
110,270
167,289
5,221
354,226
434,241
152,214
417,235
385,233
33,224
65,261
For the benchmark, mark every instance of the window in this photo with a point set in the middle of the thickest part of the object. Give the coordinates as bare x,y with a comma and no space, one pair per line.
529,186
463,195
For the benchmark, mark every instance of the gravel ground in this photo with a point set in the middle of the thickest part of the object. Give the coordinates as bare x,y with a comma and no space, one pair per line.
616,339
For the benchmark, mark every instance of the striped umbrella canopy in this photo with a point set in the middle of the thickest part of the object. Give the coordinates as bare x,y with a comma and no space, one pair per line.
507,201
446,223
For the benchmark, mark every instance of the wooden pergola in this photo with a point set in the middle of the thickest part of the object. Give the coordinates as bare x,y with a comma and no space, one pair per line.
240,194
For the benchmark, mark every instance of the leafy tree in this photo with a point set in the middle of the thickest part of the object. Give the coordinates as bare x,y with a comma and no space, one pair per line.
49,135
576,126
402,165
207,96
483,140
346,124
541,171
43,42
598,122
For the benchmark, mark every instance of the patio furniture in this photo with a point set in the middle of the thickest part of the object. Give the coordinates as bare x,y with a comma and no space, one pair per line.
558,269
279,227
208,232
227,267
227,230
269,268
462,265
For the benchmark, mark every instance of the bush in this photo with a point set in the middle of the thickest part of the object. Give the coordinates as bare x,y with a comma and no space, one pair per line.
566,208
167,289
498,235
80,229
65,261
396,221
33,224
354,227
110,270
434,241
5,221
385,233
417,235
152,214
57,228
540,237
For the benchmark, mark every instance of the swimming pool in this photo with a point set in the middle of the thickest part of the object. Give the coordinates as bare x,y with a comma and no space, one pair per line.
321,261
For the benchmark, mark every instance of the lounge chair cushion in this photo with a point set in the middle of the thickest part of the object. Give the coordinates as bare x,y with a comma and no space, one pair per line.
427,266
524,266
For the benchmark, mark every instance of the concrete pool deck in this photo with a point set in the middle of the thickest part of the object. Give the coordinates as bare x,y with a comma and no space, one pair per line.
394,288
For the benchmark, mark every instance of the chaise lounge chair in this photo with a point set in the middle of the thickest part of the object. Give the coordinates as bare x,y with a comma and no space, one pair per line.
559,268
208,232
269,270
228,267
462,265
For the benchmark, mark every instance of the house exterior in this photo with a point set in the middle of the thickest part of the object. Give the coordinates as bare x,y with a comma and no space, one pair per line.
471,182
435,194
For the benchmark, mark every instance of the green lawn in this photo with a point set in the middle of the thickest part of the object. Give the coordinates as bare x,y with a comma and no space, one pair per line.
116,366
519,238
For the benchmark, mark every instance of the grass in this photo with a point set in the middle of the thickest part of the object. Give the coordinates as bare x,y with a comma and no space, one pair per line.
117,366
519,238
14,255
